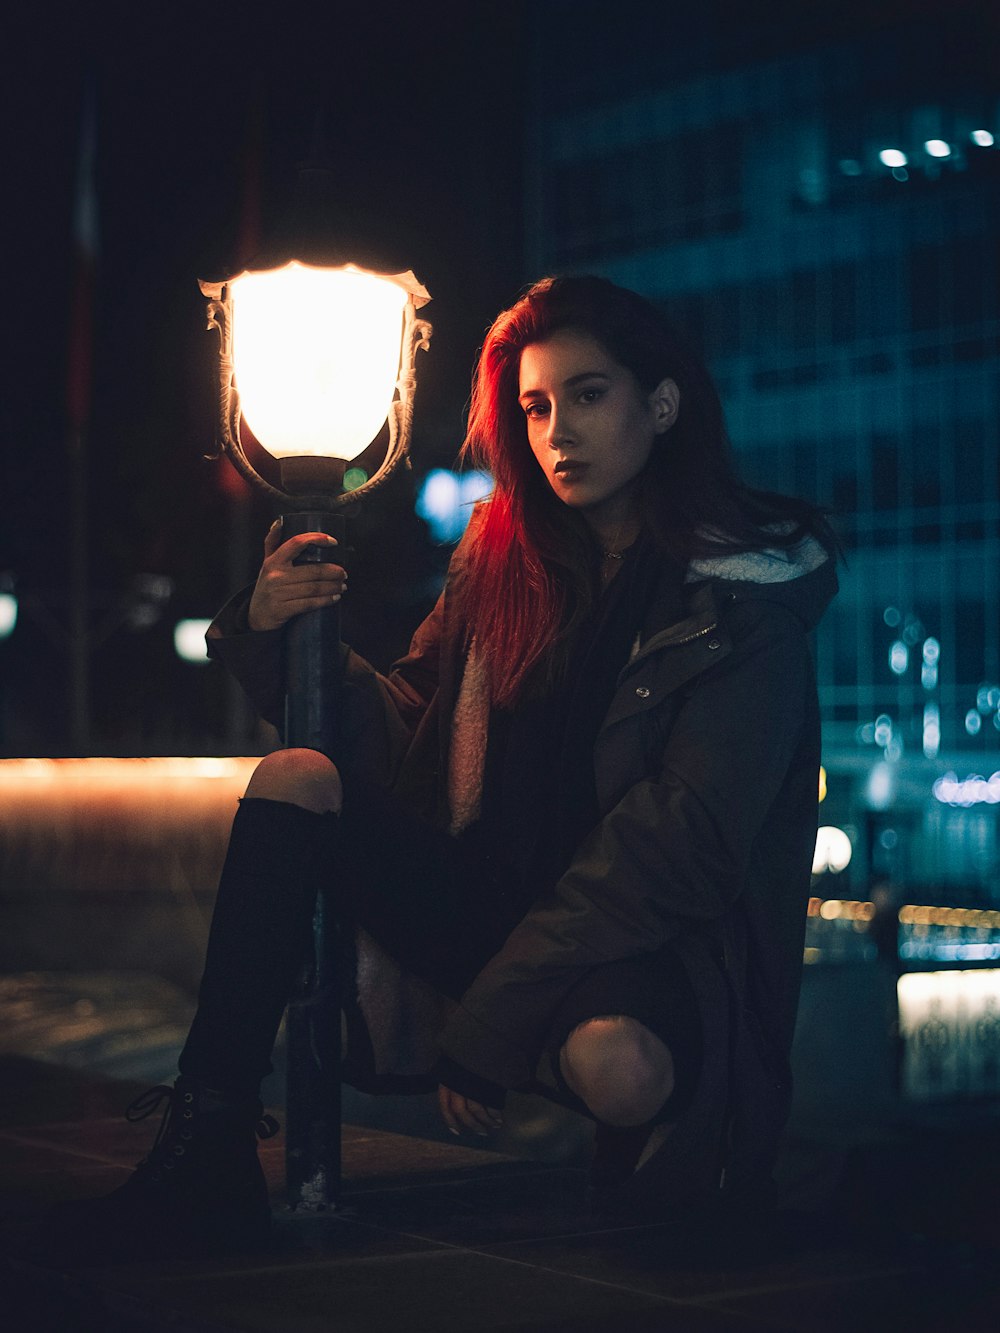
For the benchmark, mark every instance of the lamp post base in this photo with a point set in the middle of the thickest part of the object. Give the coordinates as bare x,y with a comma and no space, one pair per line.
313,1095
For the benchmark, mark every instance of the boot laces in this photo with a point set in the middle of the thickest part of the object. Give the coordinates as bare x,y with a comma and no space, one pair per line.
148,1102
266,1127
145,1105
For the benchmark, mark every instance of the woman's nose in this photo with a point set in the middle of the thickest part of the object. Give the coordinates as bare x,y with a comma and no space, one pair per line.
558,434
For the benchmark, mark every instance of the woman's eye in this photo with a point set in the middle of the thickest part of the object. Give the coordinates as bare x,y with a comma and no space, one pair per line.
534,410
590,395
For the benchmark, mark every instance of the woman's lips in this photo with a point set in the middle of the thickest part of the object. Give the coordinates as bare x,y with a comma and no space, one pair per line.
569,471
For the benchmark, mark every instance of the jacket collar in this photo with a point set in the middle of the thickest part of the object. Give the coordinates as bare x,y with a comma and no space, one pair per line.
802,579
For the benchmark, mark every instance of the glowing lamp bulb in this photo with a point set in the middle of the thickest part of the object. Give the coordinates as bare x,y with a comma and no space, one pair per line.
316,357
892,157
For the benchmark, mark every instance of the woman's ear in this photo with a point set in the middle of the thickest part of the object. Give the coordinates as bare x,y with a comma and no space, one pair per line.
664,401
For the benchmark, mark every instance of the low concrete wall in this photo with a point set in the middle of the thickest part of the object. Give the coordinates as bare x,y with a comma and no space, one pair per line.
113,863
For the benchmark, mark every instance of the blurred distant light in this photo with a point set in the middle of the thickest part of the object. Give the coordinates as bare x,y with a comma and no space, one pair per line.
446,499
982,138
892,157
900,174
899,657
929,677
8,614
932,731
148,595
154,587
959,1008
973,790
866,734
912,632
189,640
937,148
973,722
889,839
883,729
822,783
812,186
849,166
142,615
932,651
891,616
354,477
833,850
879,790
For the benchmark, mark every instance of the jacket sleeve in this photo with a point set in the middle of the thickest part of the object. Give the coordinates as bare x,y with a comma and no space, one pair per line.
382,711
254,657
674,849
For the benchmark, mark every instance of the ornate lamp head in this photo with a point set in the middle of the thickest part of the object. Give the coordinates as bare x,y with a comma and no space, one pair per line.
315,359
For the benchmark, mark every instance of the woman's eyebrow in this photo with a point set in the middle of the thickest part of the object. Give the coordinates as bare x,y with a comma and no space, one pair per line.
585,375
567,384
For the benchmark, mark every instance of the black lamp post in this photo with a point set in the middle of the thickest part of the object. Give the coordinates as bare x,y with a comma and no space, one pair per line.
315,359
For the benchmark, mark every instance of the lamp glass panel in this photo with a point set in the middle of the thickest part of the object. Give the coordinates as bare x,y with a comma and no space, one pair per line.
316,357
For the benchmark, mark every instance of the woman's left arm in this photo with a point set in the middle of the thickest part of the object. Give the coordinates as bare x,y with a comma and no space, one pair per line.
674,848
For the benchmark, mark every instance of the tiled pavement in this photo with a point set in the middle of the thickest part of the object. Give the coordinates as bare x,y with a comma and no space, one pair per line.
440,1236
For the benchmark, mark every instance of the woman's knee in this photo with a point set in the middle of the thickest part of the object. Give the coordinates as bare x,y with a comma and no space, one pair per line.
619,1068
299,776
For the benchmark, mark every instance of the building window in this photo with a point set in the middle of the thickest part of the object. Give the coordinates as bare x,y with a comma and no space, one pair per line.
649,194
885,472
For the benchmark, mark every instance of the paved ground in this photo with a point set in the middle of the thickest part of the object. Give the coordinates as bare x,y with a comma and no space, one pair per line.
895,1227
889,1216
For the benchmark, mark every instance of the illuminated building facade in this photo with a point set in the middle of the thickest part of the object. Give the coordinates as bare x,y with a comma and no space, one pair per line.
825,226
823,223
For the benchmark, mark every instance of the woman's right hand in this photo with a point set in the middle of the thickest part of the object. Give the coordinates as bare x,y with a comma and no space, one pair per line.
285,589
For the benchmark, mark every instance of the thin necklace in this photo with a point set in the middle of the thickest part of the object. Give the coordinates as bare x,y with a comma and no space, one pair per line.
612,557
615,552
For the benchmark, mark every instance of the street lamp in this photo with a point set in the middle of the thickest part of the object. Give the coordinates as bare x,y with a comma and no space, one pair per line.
315,359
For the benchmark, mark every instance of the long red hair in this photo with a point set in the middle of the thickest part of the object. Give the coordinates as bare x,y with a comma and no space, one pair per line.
531,564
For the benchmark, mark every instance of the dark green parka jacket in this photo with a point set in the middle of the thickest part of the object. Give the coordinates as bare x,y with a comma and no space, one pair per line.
706,770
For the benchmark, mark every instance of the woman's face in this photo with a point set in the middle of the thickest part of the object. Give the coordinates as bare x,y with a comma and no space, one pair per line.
590,426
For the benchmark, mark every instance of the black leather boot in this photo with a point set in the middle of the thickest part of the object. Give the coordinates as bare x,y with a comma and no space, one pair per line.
199,1192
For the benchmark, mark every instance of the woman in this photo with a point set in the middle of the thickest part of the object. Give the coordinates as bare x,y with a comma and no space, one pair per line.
597,769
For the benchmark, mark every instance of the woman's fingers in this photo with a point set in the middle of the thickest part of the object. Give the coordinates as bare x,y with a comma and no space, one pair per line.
273,539
307,580
287,552
295,606
285,589
462,1113
445,1096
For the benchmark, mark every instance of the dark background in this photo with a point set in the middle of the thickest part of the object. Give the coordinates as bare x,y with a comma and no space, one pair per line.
203,112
